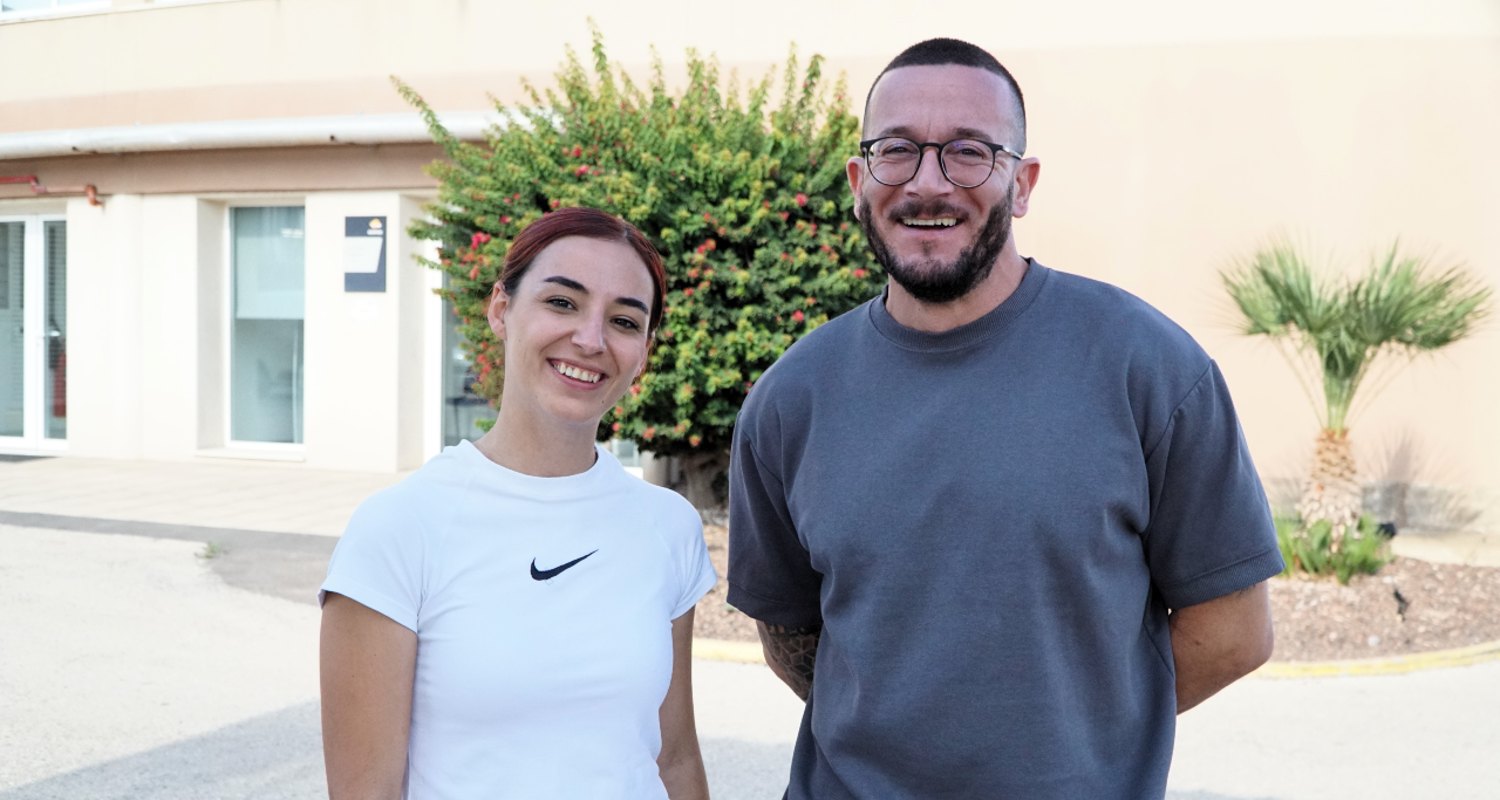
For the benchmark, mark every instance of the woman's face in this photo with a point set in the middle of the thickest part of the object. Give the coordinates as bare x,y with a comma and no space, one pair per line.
574,331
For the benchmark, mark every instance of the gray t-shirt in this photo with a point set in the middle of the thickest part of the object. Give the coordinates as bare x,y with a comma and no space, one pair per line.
990,524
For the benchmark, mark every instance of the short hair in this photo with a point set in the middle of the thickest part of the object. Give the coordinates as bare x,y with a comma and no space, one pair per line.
940,52
590,223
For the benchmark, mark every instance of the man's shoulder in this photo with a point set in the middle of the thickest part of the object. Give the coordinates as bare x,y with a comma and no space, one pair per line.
1104,308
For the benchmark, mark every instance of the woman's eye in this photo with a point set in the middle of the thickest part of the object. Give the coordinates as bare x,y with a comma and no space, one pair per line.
560,302
628,324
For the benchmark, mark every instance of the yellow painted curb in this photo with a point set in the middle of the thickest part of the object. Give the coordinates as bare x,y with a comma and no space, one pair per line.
722,650
1390,665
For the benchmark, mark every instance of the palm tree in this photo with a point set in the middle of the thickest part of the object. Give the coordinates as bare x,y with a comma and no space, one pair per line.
1402,307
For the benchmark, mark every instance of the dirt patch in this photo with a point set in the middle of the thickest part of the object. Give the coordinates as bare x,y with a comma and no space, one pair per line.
1410,607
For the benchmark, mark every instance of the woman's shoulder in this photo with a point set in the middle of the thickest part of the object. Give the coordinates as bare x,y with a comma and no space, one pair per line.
662,503
434,486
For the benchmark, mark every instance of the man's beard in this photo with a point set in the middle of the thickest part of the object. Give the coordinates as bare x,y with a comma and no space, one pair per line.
933,282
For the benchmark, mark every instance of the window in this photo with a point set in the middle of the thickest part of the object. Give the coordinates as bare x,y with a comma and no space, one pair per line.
33,330
462,408
12,328
265,337
46,8
55,329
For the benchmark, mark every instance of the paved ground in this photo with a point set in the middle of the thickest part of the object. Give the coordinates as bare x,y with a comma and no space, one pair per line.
158,639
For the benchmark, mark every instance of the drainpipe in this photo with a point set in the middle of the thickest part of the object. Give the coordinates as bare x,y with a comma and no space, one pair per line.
87,190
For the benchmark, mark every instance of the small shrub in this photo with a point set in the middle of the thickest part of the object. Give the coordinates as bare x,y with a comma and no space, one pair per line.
1311,548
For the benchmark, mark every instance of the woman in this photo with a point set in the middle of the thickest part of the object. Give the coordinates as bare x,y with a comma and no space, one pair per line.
515,619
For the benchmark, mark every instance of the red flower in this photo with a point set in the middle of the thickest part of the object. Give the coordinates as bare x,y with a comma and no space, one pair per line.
635,390
784,216
505,220
474,274
648,433
860,273
615,427
577,151
479,238
688,292
798,316
800,199
695,440
582,170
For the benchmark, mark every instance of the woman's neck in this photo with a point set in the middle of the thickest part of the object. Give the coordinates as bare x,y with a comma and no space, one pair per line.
533,450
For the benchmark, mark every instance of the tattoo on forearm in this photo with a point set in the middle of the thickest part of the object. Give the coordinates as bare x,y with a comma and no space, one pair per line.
791,653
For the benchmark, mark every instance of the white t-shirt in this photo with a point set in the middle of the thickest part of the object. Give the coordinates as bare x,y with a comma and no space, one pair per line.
543,611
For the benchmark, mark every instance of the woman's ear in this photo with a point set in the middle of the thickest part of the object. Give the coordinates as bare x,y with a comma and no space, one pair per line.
499,302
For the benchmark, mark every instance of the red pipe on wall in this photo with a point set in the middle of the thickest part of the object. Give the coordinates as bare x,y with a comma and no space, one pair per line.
88,190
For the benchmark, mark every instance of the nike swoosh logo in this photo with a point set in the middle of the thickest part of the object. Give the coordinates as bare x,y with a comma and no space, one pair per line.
548,574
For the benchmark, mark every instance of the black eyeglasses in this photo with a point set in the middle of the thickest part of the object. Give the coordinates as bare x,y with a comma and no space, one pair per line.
966,163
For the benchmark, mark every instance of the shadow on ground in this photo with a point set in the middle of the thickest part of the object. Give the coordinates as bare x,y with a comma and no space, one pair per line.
286,565
279,756
276,756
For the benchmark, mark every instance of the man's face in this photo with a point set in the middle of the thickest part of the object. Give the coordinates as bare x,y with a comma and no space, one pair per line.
936,240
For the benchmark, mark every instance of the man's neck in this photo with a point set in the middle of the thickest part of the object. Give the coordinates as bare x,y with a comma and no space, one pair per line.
985,297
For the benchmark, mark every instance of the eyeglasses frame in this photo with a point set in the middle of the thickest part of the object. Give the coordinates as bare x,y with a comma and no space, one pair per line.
995,151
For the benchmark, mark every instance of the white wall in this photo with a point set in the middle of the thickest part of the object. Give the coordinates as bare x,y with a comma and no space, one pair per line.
105,312
364,350
148,313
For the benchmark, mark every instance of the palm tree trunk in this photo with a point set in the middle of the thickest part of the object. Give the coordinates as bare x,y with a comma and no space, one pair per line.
1333,492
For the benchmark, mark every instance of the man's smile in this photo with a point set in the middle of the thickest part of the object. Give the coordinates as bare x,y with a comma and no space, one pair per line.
922,222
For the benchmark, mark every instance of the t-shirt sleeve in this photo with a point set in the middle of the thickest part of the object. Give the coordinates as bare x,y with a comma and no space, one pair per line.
1211,531
771,577
695,568
378,562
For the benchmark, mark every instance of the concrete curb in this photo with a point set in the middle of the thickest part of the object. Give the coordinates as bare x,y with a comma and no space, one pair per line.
724,650
1389,665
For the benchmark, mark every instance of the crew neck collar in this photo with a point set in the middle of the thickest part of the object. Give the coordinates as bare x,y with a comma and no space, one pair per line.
991,324
593,480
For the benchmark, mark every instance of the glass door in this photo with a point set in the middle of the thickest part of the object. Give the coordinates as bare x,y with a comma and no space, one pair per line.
33,332
265,335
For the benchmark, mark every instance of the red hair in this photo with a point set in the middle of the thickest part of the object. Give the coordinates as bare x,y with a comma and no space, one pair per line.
590,223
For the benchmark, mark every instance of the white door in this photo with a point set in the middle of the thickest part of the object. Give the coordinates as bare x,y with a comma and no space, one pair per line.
33,333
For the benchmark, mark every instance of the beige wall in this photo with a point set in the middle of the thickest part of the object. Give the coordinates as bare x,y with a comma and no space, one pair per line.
1174,139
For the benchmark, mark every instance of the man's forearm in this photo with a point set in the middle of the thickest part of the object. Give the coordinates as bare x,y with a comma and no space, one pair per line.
791,653
1217,642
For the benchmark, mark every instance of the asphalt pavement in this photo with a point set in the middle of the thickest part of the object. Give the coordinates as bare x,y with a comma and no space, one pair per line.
158,639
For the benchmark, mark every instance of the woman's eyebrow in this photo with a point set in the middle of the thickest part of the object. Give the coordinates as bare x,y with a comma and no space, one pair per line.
578,287
568,282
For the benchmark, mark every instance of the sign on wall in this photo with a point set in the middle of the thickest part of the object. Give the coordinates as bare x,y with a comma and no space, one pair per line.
364,254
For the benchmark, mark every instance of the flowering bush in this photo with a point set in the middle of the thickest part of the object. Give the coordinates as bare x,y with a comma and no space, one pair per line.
747,203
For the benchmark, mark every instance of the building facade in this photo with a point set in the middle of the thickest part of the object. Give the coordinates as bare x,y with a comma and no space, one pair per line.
204,204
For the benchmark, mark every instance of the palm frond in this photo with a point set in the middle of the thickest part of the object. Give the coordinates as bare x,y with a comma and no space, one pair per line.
1402,305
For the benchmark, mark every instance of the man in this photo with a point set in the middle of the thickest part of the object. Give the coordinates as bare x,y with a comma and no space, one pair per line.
999,525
